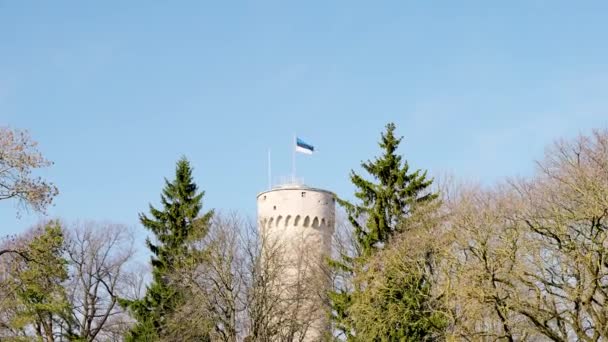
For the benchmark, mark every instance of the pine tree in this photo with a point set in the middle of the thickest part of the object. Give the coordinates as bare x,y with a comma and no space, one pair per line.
385,203
177,224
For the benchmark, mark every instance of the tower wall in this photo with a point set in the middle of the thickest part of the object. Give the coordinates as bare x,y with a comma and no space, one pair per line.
291,212
301,220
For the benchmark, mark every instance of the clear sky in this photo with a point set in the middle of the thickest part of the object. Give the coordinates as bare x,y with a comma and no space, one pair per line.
116,91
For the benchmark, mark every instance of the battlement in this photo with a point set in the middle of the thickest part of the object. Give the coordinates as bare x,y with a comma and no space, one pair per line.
298,220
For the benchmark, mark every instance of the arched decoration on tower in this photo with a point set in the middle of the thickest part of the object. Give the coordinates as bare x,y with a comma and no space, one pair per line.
287,220
270,222
315,222
323,222
297,221
279,219
306,221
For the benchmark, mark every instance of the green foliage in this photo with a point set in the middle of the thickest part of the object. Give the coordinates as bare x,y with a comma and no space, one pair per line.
396,308
41,299
174,227
397,302
384,204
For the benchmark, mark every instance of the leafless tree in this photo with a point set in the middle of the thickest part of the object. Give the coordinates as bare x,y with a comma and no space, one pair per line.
482,266
528,259
287,290
264,271
238,290
100,257
565,213
211,278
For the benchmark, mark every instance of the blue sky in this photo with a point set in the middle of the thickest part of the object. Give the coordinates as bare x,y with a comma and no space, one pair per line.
116,92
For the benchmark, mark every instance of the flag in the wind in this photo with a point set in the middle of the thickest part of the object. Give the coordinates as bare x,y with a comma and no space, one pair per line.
303,147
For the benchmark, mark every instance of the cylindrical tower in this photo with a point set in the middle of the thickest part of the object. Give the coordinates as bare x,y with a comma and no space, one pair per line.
300,221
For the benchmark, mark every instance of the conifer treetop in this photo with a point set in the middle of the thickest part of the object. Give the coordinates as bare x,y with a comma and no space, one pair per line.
175,225
387,199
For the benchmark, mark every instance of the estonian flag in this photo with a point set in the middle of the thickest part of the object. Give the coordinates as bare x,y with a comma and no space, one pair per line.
303,147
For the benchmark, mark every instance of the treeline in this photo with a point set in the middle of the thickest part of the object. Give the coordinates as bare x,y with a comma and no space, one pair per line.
522,260
415,259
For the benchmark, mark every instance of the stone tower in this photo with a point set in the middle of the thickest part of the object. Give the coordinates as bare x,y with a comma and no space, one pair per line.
301,220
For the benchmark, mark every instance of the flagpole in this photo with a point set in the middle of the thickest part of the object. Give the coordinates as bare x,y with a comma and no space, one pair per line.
269,172
293,159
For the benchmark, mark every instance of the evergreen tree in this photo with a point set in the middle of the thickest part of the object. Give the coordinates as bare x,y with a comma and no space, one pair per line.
384,204
177,224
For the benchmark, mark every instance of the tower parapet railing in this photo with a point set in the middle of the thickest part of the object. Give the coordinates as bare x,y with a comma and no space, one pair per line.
286,181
